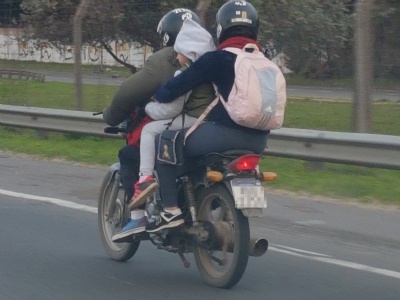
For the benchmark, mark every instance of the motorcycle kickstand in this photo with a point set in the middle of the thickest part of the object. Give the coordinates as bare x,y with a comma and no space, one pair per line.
186,263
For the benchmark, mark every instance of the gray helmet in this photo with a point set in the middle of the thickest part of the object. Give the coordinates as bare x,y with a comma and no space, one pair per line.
171,23
234,14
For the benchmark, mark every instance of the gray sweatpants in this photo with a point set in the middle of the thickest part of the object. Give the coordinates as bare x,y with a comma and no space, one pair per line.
148,137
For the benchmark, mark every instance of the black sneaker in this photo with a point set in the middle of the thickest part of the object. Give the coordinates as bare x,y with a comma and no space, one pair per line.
166,220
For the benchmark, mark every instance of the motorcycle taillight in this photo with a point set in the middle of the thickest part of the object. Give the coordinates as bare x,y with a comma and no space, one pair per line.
246,162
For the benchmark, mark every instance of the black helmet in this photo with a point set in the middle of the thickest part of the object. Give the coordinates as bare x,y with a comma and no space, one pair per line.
234,14
171,23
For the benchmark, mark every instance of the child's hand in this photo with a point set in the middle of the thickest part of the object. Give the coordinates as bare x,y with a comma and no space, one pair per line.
154,99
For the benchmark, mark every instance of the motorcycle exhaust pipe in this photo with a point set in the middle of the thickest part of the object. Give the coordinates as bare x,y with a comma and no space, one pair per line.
258,247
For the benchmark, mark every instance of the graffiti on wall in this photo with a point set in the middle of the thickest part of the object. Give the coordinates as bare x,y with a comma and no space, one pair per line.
12,48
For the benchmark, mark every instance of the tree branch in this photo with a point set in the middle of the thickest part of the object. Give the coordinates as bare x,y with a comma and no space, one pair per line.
109,50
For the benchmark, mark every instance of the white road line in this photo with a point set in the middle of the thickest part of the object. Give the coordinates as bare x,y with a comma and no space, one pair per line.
285,250
311,222
342,263
60,202
299,250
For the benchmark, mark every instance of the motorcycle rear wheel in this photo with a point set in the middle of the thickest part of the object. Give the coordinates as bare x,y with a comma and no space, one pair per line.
223,267
109,226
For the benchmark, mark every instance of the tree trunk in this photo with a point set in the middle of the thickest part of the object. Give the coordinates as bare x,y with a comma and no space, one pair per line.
364,41
201,10
79,15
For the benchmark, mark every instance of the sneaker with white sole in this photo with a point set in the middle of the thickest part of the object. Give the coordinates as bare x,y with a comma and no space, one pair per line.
131,228
166,220
142,191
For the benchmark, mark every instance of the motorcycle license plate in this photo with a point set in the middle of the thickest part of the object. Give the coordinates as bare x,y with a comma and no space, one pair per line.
248,193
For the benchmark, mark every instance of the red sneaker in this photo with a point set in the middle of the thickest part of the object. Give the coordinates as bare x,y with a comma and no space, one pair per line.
143,190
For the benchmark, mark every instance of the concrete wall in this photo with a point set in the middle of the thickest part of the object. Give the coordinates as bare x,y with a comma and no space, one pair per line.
12,48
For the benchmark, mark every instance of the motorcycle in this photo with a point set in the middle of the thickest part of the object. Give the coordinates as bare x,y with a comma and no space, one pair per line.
217,196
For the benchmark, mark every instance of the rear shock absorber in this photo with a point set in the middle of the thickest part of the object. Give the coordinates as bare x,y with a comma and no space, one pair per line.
188,190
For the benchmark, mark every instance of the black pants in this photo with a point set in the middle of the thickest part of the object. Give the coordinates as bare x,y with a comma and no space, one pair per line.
208,137
129,158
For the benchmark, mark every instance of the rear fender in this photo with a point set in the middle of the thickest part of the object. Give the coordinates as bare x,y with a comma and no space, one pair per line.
114,167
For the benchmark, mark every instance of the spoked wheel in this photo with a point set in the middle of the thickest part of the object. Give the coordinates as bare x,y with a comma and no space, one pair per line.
224,265
111,224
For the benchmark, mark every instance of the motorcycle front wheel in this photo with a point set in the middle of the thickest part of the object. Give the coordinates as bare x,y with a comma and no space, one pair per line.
225,264
109,225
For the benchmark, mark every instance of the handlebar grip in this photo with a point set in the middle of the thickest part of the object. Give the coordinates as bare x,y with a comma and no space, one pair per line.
114,130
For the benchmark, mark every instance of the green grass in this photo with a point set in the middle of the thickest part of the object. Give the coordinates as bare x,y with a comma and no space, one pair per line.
58,67
53,94
367,185
72,147
336,116
334,180
379,83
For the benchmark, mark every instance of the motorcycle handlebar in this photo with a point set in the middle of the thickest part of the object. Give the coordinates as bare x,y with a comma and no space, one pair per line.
114,130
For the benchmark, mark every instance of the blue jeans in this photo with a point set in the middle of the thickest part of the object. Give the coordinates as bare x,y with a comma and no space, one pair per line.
208,137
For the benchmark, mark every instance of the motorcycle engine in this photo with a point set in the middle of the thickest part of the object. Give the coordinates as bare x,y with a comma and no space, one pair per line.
153,207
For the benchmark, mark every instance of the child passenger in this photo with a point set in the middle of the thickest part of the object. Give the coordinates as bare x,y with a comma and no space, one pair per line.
191,42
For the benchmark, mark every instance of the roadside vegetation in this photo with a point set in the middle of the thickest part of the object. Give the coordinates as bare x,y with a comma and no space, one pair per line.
333,180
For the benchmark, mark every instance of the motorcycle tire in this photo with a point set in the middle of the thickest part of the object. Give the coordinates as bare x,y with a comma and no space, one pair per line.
223,268
117,251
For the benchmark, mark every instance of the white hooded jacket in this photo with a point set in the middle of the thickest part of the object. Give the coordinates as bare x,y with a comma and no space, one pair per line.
192,41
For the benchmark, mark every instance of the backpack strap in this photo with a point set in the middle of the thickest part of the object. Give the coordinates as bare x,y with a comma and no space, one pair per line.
201,118
238,50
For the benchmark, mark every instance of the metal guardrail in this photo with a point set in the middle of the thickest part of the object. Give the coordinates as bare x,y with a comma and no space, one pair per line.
57,120
372,150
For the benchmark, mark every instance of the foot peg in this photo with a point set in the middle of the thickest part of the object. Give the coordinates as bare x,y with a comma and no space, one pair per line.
186,263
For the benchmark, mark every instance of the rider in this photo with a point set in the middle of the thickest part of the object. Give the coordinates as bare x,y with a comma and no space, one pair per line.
137,90
178,114
237,25
160,66
187,108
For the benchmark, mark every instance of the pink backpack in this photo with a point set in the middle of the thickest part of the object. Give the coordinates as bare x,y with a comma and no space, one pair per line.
258,96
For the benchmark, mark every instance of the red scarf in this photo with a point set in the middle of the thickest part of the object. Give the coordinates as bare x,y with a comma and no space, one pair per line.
237,42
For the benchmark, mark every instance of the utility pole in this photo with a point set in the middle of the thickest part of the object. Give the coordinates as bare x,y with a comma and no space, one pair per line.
364,66
79,15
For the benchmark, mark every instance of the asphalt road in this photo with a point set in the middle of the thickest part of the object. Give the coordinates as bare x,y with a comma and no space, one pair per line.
292,91
50,247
